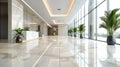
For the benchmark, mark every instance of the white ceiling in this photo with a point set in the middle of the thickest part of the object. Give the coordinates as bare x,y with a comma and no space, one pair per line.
54,5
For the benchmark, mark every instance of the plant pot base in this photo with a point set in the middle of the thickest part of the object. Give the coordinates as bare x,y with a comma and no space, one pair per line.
81,36
19,39
111,40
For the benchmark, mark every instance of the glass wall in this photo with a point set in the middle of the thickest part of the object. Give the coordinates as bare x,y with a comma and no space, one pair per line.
100,1
86,19
96,11
101,32
95,24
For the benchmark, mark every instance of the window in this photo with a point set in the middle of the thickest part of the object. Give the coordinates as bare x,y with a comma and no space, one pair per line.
101,32
86,7
100,1
94,25
86,26
82,15
86,19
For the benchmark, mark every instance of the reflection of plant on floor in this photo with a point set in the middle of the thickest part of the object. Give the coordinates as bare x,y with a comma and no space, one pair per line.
19,35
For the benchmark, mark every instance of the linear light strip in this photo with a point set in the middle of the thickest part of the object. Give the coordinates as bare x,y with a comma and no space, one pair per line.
50,12
70,7
57,23
34,65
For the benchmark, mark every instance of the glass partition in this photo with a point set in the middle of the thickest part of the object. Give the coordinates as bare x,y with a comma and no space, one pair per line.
98,7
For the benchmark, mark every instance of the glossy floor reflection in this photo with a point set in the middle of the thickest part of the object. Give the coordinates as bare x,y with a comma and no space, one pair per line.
54,51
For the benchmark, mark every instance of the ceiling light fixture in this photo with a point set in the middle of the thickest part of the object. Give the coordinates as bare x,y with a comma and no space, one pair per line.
50,12
32,23
58,9
57,23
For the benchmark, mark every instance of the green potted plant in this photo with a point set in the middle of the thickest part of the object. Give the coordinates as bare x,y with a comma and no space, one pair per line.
70,32
111,24
75,30
19,35
81,30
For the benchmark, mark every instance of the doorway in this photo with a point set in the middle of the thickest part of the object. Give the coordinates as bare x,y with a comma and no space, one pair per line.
3,21
53,31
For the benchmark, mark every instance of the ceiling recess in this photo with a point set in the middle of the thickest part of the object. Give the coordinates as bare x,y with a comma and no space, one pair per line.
51,8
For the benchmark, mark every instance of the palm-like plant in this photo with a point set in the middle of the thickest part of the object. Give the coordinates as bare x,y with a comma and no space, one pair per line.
19,35
111,22
75,30
19,30
81,29
70,31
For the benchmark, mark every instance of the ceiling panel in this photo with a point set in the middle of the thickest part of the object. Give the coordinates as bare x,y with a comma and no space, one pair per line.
56,5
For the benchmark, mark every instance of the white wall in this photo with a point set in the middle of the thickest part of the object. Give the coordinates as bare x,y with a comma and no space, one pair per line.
17,14
15,17
31,20
62,30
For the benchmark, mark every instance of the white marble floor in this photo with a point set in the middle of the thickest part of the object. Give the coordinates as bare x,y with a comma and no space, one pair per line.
54,51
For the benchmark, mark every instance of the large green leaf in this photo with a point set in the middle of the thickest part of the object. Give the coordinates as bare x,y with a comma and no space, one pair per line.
111,21
75,30
81,28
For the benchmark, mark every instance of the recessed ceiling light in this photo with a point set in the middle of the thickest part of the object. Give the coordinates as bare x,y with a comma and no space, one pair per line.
58,9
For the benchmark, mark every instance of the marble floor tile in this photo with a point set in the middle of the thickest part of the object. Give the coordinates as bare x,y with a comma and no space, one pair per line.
59,51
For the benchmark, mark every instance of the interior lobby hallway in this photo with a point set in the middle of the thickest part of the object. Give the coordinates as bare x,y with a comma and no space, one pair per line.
59,51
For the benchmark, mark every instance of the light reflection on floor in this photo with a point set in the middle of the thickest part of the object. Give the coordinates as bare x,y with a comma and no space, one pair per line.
54,51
